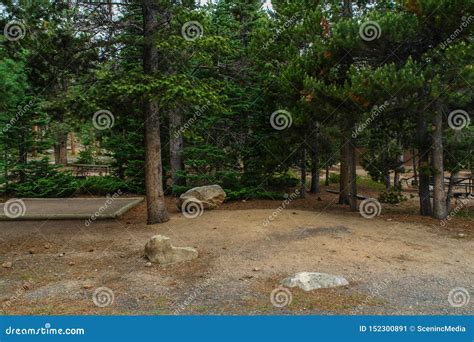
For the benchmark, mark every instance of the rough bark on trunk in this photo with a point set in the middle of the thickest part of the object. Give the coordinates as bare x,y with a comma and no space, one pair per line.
439,194
353,174
72,138
156,209
303,174
415,171
327,176
314,179
423,166
314,167
176,147
60,149
344,173
396,177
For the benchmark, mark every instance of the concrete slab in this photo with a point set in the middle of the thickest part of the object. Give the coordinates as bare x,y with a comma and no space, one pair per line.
66,208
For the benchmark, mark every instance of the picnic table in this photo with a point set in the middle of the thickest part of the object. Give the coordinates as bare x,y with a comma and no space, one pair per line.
84,170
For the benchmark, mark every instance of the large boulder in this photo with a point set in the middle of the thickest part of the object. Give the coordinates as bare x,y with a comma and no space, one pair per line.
209,196
160,250
308,281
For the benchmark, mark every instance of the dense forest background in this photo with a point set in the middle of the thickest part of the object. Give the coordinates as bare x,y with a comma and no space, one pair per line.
245,94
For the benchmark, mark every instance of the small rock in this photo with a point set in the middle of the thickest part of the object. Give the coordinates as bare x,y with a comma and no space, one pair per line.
72,263
159,249
61,254
31,251
308,281
256,269
148,264
47,246
7,264
461,235
91,250
389,219
87,286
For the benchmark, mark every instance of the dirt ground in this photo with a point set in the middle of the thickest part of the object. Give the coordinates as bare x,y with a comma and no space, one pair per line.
397,263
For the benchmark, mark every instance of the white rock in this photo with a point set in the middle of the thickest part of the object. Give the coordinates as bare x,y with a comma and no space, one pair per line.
308,281
211,196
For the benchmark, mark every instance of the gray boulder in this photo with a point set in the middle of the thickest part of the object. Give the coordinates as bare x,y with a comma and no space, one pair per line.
308,281
210,196
160,250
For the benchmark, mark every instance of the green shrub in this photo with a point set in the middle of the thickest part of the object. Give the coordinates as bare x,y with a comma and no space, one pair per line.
85,157
102,185
334,178
253,193
43,180
392,196
282,182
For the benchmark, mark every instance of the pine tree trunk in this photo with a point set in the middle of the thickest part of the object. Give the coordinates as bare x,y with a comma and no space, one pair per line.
439,195
314,179
156,209
353,174
60,149
176,147
415,171
303,174
327,176
423,164
72,138
344,172
314,167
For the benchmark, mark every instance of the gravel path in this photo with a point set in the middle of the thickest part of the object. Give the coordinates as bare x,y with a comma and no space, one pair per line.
392,267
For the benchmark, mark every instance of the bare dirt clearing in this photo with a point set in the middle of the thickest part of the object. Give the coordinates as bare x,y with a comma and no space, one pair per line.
393,267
